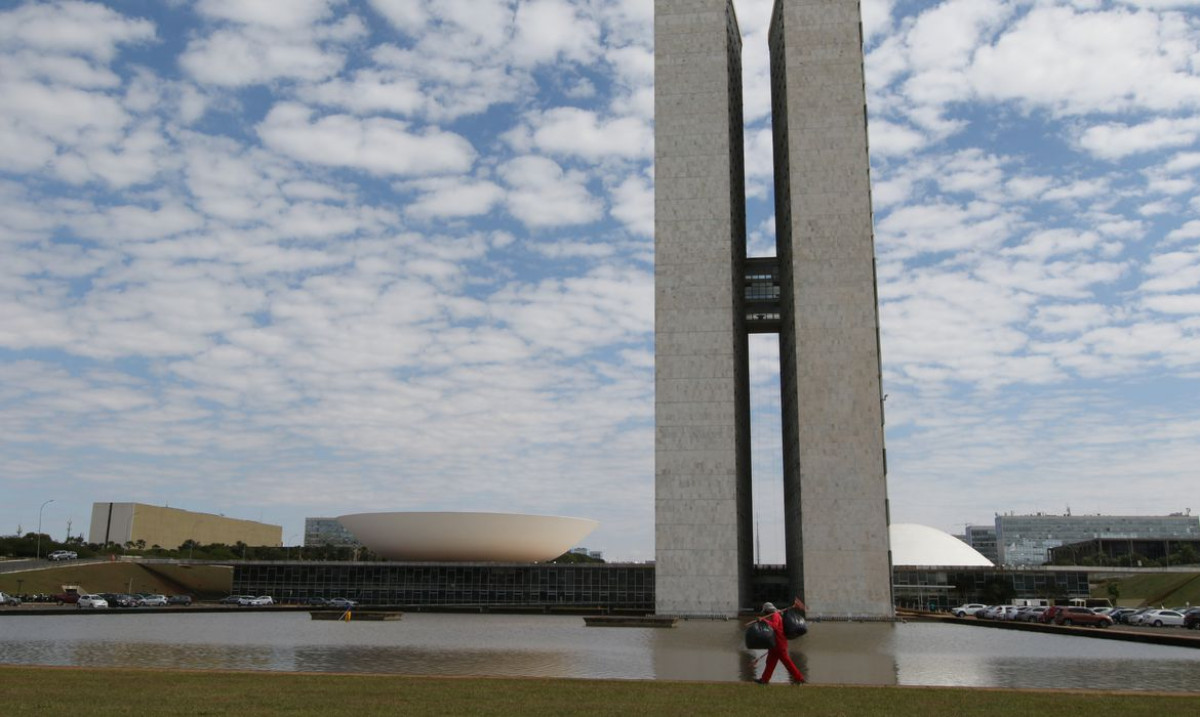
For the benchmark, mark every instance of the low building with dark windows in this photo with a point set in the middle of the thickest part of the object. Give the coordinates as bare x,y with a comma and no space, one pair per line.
413,586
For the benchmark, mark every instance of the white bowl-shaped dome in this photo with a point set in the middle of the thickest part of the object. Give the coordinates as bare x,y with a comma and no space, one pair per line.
467,537
914,544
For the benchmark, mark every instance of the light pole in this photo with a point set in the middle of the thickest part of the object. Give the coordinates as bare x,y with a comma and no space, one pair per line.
39,538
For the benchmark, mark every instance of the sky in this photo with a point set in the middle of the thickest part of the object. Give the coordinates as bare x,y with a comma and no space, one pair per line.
374,255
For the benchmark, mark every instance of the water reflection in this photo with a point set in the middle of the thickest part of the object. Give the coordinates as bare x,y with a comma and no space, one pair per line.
560,646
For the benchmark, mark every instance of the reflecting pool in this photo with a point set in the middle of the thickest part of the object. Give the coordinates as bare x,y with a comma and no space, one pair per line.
562,646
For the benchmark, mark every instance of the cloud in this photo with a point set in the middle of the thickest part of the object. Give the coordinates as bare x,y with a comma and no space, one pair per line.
299,13
890,138
376,145
73,28
235,58
573,132
1118,140
370,92
448,197
546,31
633,205
1075,62
1189,230
542,195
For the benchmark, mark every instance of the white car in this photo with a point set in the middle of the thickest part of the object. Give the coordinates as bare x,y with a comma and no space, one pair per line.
260,601
971,608
1159,618
91,601
62,555
999,612
153,601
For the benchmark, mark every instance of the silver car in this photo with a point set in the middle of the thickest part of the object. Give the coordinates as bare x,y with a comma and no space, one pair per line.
91,601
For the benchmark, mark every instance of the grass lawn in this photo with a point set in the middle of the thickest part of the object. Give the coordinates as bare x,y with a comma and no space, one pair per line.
49,691
122,576
1159,589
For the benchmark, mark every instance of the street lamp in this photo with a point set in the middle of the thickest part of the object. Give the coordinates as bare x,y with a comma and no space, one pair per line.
39,538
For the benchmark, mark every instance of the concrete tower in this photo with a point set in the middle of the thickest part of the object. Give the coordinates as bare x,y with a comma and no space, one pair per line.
702,393
818,295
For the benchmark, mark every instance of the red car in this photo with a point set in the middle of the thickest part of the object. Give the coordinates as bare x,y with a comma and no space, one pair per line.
1081,616
1051,612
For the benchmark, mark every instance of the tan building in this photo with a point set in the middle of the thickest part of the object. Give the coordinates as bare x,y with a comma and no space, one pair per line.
123,523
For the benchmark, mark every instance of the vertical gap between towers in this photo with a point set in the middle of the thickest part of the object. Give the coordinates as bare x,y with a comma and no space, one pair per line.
766,441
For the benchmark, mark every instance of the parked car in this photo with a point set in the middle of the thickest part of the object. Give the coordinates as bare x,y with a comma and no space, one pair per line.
152,601
1032,613
122,600
1159,618
1050,613
998,612
234,599
1081,616
1119,614
62,555
1135,617
341,603
971,608
91,601
260,601
67,597
179,600
1191,618
10,600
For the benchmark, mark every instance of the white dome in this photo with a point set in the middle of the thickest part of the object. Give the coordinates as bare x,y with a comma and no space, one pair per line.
914,544
467,537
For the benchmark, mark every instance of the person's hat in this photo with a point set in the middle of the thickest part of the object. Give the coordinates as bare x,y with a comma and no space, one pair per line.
768,608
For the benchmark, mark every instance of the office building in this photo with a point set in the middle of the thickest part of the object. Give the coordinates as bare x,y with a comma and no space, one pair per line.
327,532
1026,539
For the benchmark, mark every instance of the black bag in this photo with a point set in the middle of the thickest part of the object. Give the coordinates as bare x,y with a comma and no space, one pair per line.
760,636
794,625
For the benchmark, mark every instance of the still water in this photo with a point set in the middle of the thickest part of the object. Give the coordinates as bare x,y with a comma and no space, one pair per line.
562,646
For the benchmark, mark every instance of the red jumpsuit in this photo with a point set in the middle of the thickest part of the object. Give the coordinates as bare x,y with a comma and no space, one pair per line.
779,653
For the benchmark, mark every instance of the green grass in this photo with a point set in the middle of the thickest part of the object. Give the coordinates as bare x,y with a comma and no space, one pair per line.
1156,589
44,691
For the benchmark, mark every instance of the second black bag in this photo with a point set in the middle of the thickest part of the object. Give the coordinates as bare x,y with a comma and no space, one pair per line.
794,625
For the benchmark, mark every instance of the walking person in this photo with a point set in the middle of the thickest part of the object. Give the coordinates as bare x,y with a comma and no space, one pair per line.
779,653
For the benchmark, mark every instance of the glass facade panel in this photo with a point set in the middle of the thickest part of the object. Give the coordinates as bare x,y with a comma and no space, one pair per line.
1026,539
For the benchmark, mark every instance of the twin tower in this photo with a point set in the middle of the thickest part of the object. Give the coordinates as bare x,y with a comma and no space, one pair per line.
817,293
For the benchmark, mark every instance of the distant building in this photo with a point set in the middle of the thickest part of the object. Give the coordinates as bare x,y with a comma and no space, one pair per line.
125,523
328,532
983,539
1027,539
